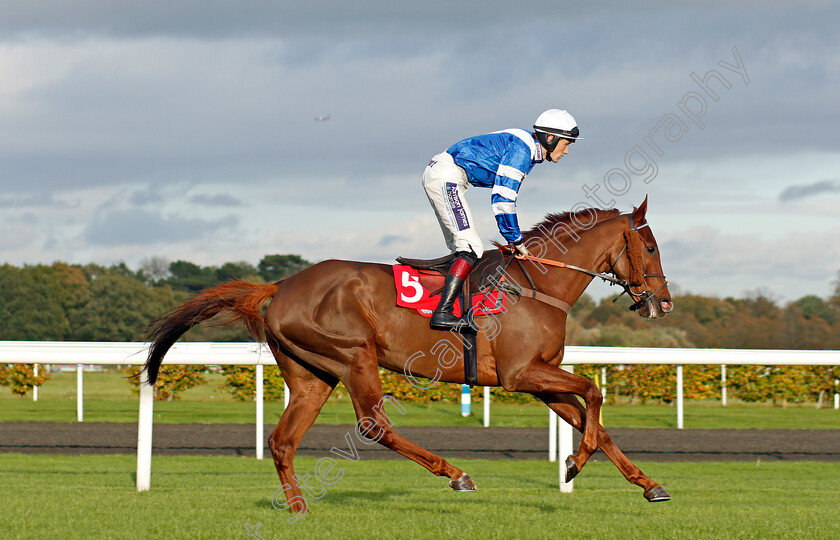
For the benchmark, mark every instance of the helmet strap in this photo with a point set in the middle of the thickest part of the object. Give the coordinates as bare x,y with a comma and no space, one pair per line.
549,146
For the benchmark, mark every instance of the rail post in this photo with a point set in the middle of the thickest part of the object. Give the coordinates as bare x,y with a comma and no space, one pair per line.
552,436
679,396
564,447
144,436
723,385
80,399
260,411
486,406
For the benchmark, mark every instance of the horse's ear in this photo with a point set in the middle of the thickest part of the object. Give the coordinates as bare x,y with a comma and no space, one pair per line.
639,213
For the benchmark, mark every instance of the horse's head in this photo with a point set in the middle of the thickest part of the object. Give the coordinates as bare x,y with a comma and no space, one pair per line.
636,261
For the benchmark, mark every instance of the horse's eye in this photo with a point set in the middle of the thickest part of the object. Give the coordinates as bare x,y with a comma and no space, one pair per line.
651,249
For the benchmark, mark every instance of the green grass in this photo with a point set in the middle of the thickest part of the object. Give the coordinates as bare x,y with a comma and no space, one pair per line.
203,497
108,398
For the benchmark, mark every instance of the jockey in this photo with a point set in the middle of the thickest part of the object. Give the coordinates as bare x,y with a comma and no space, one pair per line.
499,160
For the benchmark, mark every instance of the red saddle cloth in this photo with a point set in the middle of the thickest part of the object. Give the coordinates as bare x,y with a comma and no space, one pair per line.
415,287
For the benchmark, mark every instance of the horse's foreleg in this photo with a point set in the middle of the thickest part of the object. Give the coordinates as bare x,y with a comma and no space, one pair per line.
308,392
572,411
541,378
374,425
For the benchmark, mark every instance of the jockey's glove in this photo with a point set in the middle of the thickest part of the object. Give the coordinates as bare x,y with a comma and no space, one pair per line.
520,247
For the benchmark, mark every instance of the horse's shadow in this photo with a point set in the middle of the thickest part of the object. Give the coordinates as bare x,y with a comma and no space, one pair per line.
351,498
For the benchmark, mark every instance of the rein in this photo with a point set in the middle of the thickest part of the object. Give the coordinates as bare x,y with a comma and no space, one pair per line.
639,298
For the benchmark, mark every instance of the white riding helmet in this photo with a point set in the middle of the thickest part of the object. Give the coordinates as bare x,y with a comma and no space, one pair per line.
556,122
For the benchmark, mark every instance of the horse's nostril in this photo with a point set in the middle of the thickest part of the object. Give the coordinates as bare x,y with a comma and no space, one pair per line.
666,305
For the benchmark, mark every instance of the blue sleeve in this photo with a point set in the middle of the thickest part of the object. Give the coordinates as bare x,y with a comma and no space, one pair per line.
515,164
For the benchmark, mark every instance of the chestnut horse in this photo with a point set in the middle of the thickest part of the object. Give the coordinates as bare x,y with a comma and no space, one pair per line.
338,321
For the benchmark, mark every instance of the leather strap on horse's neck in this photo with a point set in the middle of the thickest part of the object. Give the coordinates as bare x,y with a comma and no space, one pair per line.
546,299
533,292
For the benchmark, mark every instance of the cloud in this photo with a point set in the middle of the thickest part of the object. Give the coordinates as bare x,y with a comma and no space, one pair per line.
706,260
18,232
220,199
139,227
801,191
34,200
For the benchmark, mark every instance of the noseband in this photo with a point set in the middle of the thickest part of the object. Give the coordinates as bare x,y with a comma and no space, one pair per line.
643,297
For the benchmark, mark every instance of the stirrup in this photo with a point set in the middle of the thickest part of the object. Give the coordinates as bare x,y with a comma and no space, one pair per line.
452,322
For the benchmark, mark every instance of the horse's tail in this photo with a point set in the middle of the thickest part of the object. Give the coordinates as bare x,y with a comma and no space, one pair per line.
242,301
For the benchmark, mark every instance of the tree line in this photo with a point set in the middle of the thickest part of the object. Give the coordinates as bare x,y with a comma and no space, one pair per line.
64,302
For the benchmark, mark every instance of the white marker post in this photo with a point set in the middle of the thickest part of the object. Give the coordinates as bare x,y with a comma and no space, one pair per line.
80,400
564,447
723,385
144,436
35,388
486,406
679,396
552,436
260,411
604,385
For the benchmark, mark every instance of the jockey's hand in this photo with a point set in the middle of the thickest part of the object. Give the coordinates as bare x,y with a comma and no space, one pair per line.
522,249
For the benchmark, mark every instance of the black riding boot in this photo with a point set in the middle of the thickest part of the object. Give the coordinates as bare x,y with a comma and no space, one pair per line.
443,318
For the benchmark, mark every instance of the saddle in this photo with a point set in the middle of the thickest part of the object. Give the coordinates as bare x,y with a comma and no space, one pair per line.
484,273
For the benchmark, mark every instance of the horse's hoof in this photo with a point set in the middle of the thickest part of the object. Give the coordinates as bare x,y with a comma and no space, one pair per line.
464,483
571,469
657,494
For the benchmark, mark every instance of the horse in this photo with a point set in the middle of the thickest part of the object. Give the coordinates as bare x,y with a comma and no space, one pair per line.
338,321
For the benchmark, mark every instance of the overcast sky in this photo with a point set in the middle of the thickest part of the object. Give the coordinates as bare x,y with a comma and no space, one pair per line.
186,130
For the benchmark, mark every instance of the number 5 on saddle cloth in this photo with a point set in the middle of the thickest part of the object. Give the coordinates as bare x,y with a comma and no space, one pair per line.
419,282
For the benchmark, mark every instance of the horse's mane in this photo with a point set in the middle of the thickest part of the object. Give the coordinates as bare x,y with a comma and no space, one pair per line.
570,220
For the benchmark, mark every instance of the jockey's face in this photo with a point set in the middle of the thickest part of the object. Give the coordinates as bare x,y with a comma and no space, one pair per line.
560,150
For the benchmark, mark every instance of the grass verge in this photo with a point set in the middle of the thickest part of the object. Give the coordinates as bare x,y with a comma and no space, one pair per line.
214,497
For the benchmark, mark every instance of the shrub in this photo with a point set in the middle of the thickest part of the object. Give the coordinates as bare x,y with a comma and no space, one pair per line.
172,380
21,377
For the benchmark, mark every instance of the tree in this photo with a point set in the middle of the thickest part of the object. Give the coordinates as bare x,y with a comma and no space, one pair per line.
187,276
118,308
834,301
814,306
238,270
36,300
276,267
153,270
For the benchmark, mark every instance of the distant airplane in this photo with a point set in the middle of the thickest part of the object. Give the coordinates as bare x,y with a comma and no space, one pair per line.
322,118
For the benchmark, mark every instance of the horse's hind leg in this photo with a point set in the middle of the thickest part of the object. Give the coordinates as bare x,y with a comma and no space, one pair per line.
309,391
541,378
572,411
365,390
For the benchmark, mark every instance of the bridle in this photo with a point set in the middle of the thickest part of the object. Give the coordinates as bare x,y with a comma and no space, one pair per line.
643,297
640,298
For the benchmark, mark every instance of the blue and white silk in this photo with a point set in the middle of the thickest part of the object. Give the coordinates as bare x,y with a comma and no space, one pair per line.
502,160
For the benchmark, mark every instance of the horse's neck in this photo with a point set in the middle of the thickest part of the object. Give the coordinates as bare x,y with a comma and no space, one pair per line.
590,251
